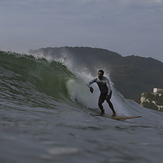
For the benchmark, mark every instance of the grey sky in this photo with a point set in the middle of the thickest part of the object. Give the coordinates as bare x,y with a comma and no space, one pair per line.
129,27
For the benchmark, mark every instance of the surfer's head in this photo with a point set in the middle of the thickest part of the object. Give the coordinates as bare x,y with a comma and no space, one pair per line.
100,74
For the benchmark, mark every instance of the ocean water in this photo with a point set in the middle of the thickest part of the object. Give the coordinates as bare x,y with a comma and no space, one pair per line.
46,115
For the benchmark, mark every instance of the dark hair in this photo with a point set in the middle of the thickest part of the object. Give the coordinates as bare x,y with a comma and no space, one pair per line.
101,72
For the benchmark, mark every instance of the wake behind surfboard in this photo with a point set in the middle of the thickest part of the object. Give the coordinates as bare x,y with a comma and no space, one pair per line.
125,117
116,117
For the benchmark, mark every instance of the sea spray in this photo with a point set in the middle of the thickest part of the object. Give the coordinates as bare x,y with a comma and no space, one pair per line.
77,88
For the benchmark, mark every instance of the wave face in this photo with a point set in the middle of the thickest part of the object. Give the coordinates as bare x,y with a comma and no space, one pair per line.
44,100
24,77
29,80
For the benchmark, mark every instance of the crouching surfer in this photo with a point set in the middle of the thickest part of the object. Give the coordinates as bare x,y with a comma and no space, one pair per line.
105,89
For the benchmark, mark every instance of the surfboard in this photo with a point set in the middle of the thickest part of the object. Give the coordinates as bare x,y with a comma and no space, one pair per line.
116,117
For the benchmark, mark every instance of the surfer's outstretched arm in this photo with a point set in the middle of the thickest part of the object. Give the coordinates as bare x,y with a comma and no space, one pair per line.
89,84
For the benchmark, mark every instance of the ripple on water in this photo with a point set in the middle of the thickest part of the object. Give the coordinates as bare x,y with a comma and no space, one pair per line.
62,150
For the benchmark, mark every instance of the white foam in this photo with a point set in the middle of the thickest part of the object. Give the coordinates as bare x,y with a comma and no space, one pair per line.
79,92
41,55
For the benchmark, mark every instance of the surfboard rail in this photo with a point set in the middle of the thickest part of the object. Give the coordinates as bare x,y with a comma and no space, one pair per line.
117,117
124,117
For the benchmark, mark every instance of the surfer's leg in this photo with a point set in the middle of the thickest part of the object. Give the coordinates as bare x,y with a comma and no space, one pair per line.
108,97
112,108
100,101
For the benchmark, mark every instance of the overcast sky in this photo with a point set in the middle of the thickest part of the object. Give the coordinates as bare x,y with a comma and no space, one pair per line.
128,27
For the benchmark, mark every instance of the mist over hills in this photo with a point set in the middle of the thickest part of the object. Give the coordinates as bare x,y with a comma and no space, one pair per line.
131,75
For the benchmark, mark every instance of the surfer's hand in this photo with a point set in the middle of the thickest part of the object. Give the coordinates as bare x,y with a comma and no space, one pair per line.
91,89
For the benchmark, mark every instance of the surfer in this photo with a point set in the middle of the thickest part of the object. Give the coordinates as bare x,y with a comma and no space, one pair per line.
105,89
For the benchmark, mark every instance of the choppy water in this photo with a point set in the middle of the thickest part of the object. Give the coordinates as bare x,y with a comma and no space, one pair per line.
45,116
